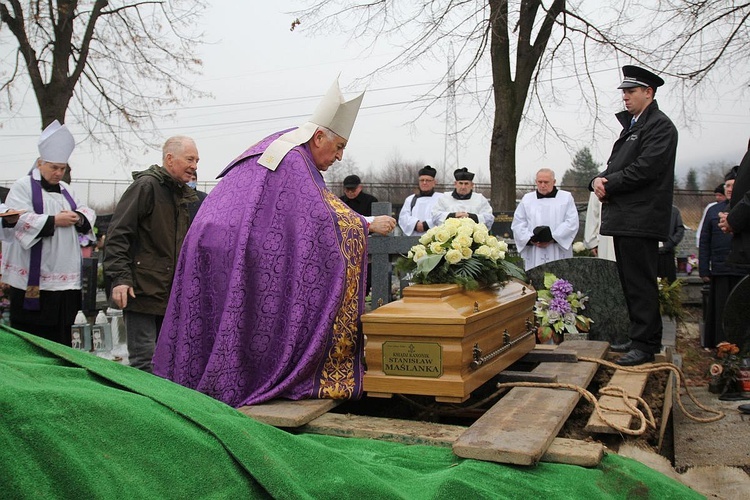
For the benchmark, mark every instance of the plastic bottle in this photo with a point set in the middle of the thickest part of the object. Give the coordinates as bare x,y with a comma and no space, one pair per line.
80,333
101,334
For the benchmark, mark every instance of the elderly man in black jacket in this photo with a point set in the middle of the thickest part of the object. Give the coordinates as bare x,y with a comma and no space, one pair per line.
636,194
713,268
737,220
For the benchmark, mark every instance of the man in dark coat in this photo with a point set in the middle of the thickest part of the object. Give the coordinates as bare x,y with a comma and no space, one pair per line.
721,277
143,243
355,198
636,194
737,220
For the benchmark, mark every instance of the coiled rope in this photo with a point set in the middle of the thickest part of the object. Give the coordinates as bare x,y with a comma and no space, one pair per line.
645,419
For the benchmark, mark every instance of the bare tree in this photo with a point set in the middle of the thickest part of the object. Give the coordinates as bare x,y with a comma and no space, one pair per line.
530,44
713,173
114,65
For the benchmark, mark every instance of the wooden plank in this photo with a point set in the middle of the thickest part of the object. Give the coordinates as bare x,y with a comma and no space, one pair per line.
545,355
669,395
386,429
515,376
520,427
633,383
285,413
574,452
566,451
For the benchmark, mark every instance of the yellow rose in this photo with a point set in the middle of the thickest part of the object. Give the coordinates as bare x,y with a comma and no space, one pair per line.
451,224
442,234
481,234
492,242
502,246
461,241
465,252
437,248
419,252
465,231
427,237
453,256
484,251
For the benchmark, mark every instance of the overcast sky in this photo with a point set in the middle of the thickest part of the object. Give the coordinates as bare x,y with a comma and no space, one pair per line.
265,78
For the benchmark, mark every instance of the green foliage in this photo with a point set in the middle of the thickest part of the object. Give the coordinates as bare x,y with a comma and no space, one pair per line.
670,298
691,180
559,309
583,169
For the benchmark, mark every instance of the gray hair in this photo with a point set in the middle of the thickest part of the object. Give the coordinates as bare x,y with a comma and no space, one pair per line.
330,134
545,171
175,145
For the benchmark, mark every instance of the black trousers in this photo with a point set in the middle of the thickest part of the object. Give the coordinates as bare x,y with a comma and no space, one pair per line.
53,321
667,266
636,264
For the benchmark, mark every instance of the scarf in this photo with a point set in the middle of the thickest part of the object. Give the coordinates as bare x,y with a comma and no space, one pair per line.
551,194
461,196
31,298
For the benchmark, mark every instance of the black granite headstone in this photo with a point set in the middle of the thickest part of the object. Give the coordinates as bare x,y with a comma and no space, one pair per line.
735,320
89,285
501,225
598,279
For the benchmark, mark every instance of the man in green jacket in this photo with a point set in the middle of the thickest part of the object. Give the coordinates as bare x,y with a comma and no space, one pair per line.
144,241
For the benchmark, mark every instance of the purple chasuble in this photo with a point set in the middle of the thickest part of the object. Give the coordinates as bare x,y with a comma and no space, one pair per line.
268,289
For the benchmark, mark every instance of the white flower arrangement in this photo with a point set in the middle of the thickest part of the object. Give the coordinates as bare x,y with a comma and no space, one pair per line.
459,251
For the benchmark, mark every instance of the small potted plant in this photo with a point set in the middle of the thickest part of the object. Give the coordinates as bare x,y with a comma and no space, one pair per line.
725,373
558,310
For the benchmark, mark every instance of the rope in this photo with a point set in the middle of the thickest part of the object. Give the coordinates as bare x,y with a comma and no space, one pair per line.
645,420
655,367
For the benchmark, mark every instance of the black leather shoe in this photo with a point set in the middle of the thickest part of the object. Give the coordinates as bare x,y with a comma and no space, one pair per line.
744,409
635,357
625,347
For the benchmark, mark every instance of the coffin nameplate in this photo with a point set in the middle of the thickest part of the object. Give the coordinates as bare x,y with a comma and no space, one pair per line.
413,359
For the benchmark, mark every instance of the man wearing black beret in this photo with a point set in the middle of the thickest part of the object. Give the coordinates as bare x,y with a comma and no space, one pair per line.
355,198
636,194
463,202
416,215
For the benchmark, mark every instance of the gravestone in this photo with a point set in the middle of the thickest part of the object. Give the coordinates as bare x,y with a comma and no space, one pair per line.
380,249
735,319
501,226
89,278
598,279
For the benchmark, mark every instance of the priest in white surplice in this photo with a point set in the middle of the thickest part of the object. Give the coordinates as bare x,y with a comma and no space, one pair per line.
415,217
41,252
545,222
463,202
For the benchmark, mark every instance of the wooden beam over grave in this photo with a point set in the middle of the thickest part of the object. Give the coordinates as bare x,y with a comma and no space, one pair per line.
549,353
517,376
564,451
633,383
286,413
520,428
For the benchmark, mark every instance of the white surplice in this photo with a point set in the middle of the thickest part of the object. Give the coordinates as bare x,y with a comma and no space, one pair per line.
559,213
477,205
422,211
605,245
61,252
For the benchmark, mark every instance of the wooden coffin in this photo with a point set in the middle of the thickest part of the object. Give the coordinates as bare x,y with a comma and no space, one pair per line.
444,341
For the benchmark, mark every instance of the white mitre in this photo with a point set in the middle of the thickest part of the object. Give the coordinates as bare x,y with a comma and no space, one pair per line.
333,113
56,143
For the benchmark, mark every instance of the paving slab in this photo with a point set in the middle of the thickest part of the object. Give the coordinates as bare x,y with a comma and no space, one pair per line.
725,442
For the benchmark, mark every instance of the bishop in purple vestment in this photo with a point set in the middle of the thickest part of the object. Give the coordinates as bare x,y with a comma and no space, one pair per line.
270,280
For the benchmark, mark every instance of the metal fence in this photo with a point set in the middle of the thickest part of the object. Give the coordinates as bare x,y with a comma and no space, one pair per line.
103,195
